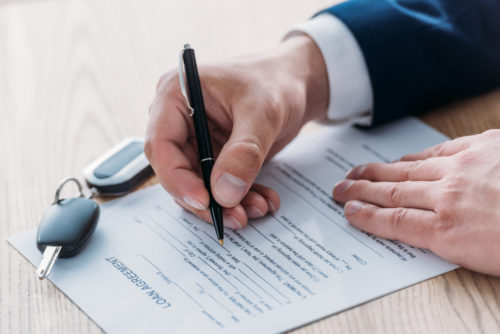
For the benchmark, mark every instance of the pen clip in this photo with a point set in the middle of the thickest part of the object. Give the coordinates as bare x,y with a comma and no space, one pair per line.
182,83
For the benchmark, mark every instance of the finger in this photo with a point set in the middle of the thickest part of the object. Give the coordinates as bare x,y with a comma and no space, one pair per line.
269,194
412,226
166,137
202,214
260,200
191,154
255,205
409,194
446,148
241,157
178,178
420,170
234,218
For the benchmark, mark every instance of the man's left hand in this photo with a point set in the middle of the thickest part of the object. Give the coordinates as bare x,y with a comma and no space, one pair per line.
445,198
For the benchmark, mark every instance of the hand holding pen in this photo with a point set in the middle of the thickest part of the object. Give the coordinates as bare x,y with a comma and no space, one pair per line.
254,107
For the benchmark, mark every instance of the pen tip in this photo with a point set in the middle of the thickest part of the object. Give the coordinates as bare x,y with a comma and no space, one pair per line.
221,241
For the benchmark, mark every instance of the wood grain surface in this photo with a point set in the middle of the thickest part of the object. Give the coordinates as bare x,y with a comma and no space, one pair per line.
76,77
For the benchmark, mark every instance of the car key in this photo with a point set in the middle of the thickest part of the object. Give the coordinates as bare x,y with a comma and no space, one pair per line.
65,228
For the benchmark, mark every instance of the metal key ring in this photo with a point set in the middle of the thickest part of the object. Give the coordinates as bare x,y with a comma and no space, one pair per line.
61,185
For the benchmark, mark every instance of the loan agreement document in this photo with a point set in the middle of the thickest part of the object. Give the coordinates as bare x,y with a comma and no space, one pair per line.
153,267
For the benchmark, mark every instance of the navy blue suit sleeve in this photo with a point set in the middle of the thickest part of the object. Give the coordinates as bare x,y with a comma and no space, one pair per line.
423,53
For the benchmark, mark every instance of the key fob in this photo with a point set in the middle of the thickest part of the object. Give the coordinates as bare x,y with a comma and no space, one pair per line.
68,223
119,170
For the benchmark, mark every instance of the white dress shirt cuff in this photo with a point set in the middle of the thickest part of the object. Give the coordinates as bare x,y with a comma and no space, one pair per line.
351,95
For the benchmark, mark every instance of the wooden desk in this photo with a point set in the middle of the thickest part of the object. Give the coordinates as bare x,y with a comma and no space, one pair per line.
78,76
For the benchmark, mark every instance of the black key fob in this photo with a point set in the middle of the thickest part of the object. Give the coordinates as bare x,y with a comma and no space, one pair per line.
69,224
65,228
119,170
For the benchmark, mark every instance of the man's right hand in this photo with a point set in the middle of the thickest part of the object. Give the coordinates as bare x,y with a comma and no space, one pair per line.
255,105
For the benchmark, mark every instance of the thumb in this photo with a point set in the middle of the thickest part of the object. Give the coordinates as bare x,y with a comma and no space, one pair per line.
241,158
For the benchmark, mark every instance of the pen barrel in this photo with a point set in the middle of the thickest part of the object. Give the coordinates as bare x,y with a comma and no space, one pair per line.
196,100
206,171
202,135
215,208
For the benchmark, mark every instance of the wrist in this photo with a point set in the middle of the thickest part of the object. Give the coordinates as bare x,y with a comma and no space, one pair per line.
306,65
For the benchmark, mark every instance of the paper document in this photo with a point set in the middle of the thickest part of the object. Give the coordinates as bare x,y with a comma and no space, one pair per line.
153,267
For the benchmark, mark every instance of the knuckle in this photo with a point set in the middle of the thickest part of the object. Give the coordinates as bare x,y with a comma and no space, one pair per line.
453,183
444,217
441,202
252,149
465,158
440,150
404,173
274,114
395,194
447,199
273,102
446,210
398,218
451,192
410,171
442,232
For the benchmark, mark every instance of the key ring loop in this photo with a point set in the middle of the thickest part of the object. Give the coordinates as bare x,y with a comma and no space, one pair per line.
61,185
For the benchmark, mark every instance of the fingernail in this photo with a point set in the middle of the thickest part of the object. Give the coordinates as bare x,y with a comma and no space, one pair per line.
342,186
253,212
272,208
229,188
352,207
356,172
194,203
231,222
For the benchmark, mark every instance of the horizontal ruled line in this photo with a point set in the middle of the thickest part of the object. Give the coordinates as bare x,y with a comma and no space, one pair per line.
260,287
249,288
164,229
275,218
218,273
164,239
272,287
177,220
187,294
256,229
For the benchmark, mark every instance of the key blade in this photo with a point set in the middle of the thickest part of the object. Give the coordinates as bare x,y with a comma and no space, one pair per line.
49,257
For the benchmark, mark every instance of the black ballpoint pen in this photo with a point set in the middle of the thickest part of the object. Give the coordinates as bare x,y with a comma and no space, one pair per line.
187,62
